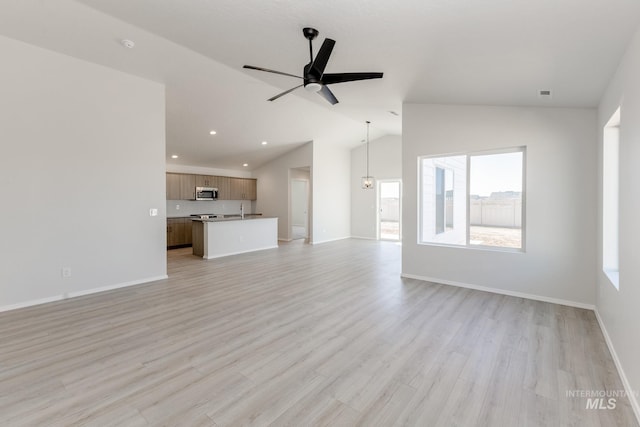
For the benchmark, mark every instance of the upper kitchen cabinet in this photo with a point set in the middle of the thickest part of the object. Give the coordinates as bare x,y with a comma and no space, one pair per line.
251,188
206,181
187,186
181,186
173,186
222,184
243,188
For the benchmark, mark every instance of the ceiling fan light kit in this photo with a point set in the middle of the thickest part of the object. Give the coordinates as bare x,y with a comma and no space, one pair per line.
314,79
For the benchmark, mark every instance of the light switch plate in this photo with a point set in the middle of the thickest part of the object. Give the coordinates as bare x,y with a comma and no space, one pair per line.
153,212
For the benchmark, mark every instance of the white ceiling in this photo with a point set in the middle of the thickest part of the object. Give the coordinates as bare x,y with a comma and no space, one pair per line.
495,52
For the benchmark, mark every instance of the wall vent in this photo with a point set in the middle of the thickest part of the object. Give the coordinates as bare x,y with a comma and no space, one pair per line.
544,94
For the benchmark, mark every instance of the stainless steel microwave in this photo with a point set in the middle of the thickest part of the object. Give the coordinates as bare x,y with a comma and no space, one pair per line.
206,193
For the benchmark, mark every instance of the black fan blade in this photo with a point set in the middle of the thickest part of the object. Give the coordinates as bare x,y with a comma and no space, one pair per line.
284,93
328,79
326,93
251,67
322,57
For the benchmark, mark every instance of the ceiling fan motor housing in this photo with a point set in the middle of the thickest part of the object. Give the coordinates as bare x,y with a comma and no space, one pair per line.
311,81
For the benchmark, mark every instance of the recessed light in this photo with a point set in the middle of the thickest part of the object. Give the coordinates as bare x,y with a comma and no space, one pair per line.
127,43
264,142
174,156
245,164
213,132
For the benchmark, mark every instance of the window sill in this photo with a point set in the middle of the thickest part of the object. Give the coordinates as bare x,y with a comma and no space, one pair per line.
614,277
475,247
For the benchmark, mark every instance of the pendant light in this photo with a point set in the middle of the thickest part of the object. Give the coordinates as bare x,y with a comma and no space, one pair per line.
368,180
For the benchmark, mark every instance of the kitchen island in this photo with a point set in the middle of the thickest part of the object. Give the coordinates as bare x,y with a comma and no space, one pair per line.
219,237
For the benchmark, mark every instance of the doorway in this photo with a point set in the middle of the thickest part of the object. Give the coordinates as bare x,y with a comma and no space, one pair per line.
299,209
389,212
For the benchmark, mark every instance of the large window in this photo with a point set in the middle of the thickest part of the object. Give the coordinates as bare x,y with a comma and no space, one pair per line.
610,199
473,199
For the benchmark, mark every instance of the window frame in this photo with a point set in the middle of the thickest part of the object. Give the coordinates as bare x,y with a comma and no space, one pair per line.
611,189
468,154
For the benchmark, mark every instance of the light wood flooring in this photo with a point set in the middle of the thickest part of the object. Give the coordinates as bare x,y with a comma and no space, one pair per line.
302,335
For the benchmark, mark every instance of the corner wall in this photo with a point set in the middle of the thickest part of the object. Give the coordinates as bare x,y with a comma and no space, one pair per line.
560,199
331,194
618,309
83,162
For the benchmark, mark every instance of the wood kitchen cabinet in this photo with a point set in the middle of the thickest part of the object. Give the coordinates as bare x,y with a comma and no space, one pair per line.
251,188
173,186
187,232
236,188
175,232
179,232
222,184
206,181
243,188
181,186
187,187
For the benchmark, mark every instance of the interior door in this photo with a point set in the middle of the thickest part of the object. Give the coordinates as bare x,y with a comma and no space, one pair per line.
299,209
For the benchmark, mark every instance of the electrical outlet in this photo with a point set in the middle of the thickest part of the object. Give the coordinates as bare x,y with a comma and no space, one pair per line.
177,207
66,272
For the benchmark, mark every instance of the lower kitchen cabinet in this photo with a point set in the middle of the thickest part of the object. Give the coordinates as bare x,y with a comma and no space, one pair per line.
178,232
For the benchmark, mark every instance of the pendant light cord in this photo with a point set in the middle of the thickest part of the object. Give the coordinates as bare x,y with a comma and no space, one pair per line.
368,122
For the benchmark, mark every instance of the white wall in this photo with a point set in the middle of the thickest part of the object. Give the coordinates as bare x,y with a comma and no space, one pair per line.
561,173
273,186
385,162
183,208
199,170
331,195
83,151
618,310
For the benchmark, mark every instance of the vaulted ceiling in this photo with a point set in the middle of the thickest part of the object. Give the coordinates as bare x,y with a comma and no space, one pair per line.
494,52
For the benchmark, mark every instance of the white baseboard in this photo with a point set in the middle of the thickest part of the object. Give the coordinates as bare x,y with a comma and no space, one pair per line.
318,242
116,286
633,398
502,291
363,238
32,303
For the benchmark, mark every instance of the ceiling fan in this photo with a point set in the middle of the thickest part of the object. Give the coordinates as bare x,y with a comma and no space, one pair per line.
314,77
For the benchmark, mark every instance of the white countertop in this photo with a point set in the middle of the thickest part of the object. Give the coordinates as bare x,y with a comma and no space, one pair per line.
247,217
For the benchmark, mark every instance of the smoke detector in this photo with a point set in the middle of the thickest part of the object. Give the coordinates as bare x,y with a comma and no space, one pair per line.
127,43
